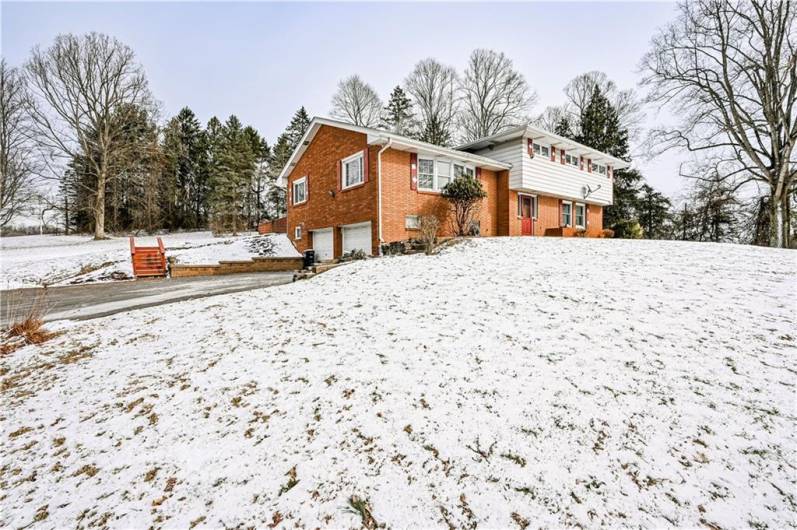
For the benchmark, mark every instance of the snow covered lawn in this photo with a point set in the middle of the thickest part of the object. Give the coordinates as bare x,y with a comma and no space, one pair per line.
29,261
502,383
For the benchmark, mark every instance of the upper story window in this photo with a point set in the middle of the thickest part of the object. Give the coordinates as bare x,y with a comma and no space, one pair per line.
597,168
542,150
434,174
352,171
300,190
571,160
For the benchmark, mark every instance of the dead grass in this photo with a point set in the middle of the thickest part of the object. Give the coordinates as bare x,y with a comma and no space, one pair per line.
26,323
362,507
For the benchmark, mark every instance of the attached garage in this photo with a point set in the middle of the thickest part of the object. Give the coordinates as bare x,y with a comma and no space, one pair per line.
357,237
323,244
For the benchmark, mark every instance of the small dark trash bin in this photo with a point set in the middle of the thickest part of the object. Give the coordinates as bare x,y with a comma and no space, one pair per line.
309,258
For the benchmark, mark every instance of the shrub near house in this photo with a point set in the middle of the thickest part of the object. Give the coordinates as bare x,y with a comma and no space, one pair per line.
352,187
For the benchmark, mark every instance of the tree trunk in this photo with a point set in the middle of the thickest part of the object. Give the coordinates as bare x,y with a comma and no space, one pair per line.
776,221
99,205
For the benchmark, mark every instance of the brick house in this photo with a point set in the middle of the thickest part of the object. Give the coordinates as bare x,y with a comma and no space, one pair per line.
351,187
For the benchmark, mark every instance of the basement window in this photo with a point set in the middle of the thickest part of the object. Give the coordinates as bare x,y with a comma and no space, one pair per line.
297,232
412,222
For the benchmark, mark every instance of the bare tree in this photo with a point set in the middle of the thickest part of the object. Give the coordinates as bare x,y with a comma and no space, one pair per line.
495,96
728,70
356,102
433,87
17,163
579,94
429,225
78,88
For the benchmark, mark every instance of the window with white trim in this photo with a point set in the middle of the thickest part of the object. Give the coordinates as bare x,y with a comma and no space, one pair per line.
567,214
460,171
297,232
434,174
580,216
542,150
352,171
572,160
300,190
443,174
412,222
425,174
597,168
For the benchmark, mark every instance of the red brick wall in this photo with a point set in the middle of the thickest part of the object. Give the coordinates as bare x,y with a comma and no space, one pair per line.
548,215
341,207
400,200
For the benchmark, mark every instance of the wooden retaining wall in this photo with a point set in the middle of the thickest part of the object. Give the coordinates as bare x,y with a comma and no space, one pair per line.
263,264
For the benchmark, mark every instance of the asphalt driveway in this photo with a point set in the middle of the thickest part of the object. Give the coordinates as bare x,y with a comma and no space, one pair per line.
81,302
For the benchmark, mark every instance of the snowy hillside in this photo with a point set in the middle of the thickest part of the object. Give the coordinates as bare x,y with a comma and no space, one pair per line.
502,383
28,261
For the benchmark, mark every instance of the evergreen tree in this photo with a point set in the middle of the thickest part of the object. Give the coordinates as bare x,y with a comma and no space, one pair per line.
184,195
599,128
398,116
232,167
286,143
298,126
653,210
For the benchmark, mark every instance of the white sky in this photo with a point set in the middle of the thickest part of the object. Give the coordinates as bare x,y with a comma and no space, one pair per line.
261,61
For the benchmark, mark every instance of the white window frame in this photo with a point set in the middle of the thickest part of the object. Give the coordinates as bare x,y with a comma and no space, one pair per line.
583,215
572,160
349,160
296,183
599,169
297,232
569,214
412,222
434,172
467,169
538,150
534,205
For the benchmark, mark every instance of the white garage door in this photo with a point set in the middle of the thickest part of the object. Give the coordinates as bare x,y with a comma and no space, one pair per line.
357,237
323,244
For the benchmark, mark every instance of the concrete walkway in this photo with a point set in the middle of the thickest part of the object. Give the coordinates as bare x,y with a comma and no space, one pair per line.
87,301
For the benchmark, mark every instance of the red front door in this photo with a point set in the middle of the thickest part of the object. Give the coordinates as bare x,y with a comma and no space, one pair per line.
526,213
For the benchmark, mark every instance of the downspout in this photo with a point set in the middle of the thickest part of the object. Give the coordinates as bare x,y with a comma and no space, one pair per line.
379,192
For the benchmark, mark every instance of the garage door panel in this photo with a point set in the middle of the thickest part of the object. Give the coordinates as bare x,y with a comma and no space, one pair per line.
323,244
357,238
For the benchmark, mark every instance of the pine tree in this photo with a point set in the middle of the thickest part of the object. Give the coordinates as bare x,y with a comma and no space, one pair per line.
286,143
232,167
398,116
599,128
653,210
298,126
183,195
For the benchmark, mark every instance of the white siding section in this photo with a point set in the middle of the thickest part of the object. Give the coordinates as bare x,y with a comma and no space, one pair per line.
549,178
511,152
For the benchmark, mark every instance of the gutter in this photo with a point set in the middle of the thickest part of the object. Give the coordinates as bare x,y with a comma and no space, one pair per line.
379,191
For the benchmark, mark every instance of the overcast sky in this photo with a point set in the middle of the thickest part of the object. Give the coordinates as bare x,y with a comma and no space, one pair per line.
261,61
